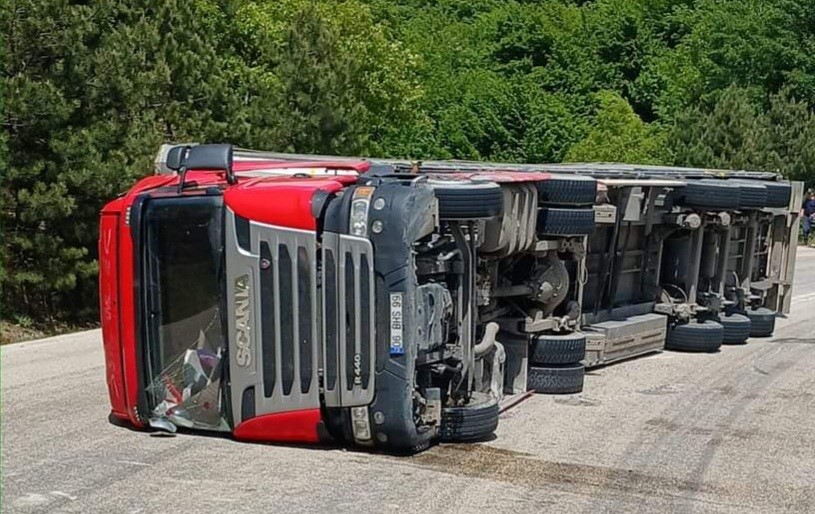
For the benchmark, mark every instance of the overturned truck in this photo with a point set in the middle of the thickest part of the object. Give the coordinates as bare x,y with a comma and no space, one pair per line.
390,304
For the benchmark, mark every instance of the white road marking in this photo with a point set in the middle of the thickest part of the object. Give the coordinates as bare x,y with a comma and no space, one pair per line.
132,462
64,495
32,500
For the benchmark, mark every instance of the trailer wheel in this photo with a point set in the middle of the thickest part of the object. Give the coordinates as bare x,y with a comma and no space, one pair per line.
560,190
466,199
695,336
778,194
736,328
709,194
471,422
565,222
557,349
556,379
762,322
752,195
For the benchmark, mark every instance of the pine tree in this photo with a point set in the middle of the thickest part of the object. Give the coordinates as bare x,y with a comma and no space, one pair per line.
320,113
731,133
792,128
91,91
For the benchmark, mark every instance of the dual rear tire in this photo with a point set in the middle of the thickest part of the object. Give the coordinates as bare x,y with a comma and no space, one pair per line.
555,365
566,202
736,328
733,328
762,322
734,194
743,324
566,205
472,422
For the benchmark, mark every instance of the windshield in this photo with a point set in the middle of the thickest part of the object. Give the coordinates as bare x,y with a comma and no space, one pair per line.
185,344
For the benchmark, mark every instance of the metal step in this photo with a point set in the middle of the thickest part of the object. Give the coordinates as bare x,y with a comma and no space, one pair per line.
610,341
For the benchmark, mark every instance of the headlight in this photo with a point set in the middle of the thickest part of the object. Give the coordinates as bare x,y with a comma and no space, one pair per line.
360,424
358,224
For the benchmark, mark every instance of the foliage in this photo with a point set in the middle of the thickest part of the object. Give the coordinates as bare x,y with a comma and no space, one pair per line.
91,88
617,134
733,132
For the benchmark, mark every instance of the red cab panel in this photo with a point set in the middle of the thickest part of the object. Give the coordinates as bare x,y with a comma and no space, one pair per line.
109,310
127,313
300,426
281,201
117,306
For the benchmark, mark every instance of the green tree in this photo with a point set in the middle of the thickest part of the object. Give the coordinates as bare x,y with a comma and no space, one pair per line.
344,85
750,44
617,134
730,133
319,114
792,128
737,132
91,90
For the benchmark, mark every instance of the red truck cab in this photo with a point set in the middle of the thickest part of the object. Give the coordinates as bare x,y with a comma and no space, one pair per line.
263,299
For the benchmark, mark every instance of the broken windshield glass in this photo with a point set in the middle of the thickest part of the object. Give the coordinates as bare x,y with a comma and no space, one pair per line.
186,347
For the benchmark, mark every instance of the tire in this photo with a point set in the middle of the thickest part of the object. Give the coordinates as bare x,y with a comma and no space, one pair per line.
778,194
736,328
471,422
565,222
562,379
709,194
695,336
565,190
762,322
557,349
467,200
752,195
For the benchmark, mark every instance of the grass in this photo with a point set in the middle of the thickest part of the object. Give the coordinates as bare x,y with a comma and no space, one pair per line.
17,332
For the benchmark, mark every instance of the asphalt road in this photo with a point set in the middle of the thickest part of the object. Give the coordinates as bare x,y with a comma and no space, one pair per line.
733,431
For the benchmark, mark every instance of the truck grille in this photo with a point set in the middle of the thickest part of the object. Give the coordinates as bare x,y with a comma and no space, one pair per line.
283,324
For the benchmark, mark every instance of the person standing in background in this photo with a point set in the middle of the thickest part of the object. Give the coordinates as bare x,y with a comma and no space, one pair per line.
808,214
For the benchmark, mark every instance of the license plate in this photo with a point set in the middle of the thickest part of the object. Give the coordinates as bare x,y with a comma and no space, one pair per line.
397,346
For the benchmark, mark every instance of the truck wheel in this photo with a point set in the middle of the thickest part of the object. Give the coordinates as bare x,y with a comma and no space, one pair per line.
709,194
762,322
695,336
778,194
471,422
736,328
751,195
565,222
560,379
557,349
466,199
560,190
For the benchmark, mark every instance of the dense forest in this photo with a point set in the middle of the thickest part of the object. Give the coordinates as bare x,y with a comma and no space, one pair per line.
91,88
